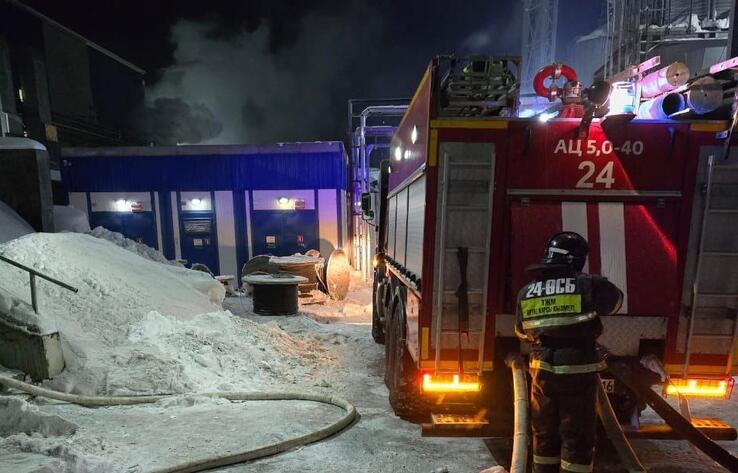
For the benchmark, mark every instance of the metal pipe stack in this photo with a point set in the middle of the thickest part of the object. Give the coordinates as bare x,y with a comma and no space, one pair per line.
669,91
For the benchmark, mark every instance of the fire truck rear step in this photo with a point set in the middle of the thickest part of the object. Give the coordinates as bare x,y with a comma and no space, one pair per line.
454,425
714,429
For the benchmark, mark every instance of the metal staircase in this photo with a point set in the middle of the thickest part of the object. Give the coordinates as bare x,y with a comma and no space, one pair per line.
713,321
464,227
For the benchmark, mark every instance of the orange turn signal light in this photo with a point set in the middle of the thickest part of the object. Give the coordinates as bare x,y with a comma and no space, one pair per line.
720,388
452,384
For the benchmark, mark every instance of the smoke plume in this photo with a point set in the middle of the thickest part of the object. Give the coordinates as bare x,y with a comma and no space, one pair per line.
289,79
235,89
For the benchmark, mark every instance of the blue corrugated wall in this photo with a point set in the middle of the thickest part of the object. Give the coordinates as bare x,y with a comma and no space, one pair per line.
137,172
324,170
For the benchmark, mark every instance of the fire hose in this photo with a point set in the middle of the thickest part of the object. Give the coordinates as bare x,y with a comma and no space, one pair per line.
218,460
615,432
519,460
610,422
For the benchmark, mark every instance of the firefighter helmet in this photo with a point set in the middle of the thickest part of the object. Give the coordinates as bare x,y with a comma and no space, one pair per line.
565,249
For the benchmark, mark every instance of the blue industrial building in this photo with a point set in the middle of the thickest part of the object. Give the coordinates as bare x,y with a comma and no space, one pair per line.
217,205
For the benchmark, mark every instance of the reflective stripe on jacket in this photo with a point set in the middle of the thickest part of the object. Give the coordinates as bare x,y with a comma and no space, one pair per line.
536,364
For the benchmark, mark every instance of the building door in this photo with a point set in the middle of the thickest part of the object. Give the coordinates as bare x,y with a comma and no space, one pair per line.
197,229
284,232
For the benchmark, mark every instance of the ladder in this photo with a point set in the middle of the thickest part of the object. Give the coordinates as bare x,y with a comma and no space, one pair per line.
464,235
713,320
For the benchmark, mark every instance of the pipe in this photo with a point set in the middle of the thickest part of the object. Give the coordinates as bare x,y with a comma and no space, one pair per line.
216,461
704,95
615,433
664,80
661,107
519,460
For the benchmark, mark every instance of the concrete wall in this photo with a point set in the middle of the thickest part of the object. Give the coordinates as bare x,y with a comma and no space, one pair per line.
39,356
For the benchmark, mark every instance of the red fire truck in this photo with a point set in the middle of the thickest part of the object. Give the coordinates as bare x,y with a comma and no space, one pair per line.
470,196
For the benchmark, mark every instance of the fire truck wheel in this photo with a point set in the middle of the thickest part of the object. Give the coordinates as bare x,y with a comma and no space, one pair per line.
378,313
401,373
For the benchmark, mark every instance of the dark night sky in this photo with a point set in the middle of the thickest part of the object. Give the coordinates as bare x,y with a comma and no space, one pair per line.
340,49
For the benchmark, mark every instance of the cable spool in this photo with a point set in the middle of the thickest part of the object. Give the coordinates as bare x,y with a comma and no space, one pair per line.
337,275
664,80
274,294
704,95
305,266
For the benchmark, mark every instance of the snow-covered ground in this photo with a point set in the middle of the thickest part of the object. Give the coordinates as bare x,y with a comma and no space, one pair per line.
139,326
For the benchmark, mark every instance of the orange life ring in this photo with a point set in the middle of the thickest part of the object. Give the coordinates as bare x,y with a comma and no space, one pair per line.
553,71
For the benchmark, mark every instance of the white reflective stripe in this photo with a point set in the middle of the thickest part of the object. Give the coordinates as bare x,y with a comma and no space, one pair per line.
560,251
546,460
558,321
568,369
175,225
612,247
574,219
158,215
576,467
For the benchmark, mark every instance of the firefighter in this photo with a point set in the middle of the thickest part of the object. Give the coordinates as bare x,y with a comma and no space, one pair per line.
559,314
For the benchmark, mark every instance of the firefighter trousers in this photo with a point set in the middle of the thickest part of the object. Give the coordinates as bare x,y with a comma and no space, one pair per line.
564,420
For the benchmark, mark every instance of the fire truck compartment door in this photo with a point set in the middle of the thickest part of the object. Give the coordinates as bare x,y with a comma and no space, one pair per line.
466,177
633,244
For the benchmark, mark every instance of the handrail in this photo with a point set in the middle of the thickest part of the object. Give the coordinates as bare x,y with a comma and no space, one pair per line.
33,273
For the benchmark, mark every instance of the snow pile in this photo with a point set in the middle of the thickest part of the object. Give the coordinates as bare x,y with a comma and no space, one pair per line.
70,219
17,416
11,224
137,326
140,249
357,306
20,313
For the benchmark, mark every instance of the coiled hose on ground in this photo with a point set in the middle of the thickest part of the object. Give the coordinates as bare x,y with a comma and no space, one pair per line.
221,460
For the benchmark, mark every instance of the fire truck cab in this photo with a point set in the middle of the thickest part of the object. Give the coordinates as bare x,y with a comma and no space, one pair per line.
472,195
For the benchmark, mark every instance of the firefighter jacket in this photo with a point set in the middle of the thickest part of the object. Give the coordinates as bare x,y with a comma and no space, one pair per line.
559,313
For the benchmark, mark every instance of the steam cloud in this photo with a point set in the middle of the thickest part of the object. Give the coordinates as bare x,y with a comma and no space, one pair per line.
291,83
170,121
234,89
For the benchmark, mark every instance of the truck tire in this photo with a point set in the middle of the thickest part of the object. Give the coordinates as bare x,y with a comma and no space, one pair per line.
401,373
378,312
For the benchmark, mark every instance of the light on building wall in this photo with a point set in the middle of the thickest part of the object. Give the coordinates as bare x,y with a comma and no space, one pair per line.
121,205
21,95
406,155
196,203
414,135
284,203
398,153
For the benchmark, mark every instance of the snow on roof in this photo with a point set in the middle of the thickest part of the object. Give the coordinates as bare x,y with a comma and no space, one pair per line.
11,142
